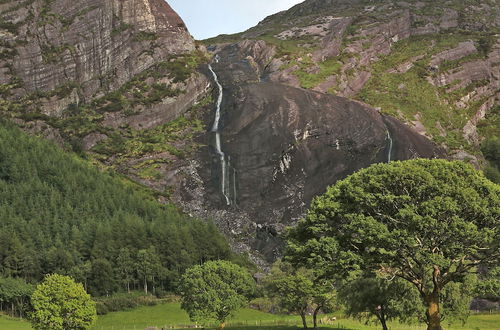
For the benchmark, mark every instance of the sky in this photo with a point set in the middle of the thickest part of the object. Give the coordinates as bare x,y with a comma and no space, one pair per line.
209,18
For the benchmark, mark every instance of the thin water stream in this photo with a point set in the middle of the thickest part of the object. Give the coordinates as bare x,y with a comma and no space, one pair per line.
218,146
391,144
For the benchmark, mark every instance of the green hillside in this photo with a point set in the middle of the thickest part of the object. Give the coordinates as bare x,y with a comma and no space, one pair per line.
58,213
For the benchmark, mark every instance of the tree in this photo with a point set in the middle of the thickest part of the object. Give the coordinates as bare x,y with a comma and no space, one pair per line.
368,297
61,304
125,267
101,277
324,298
81,273
489,285
292,288
457,298
299,290
14,294
429,222
148,266
214,290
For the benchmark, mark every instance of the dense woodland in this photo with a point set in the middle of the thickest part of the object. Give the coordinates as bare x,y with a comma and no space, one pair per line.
59,214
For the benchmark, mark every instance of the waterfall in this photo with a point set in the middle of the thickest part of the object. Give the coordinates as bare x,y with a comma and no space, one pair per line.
218,145
391,143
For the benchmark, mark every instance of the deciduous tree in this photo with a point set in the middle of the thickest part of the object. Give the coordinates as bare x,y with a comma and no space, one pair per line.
61,304
299,290
368,297
429,222
214,290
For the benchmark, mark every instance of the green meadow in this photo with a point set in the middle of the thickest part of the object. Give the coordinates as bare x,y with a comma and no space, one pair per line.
171,316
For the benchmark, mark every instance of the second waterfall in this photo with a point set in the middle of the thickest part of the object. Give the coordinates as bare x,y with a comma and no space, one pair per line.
227,173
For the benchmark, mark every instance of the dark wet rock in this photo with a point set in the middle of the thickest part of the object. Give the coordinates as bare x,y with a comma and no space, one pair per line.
288,144
285,146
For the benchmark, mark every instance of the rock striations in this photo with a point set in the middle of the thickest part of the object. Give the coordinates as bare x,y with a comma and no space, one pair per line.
87,47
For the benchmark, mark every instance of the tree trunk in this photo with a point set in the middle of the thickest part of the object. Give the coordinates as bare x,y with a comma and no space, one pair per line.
128,286
384,323
304,321
145,285
432,299
315,317
383,319
433,315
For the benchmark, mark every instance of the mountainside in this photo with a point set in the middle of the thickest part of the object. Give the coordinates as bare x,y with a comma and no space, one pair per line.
79,70
249,132
433,65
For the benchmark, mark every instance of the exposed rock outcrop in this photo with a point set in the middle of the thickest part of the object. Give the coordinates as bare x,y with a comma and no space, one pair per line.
86,41
285,146
69,53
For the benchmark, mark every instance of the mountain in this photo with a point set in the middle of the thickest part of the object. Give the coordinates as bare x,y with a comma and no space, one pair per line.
248,132
430,65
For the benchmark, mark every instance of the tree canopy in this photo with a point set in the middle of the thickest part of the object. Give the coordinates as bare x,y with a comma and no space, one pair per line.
60,214
429,222
368,297
214,290
15,295
298,290
61,304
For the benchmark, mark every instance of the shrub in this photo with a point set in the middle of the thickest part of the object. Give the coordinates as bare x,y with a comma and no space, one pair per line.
124,301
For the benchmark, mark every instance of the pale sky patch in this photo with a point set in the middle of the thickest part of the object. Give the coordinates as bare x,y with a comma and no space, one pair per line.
209,18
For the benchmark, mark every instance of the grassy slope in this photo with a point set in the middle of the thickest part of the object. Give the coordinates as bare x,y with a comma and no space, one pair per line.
409,94
171,314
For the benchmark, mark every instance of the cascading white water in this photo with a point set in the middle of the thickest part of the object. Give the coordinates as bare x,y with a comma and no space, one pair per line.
389,155
216,130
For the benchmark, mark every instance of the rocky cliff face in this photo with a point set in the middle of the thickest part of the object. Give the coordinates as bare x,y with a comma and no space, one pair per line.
58,42
282,146
434,65
59,57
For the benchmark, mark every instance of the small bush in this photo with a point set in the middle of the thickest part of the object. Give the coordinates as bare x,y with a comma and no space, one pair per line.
124,301
145,36
265,305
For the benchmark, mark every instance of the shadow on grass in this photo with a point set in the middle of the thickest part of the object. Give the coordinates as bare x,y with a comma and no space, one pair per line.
273,327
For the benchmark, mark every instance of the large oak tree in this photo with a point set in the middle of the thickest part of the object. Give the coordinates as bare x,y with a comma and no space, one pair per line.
429,222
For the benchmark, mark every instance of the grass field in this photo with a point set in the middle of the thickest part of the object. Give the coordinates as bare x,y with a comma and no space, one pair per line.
169,315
